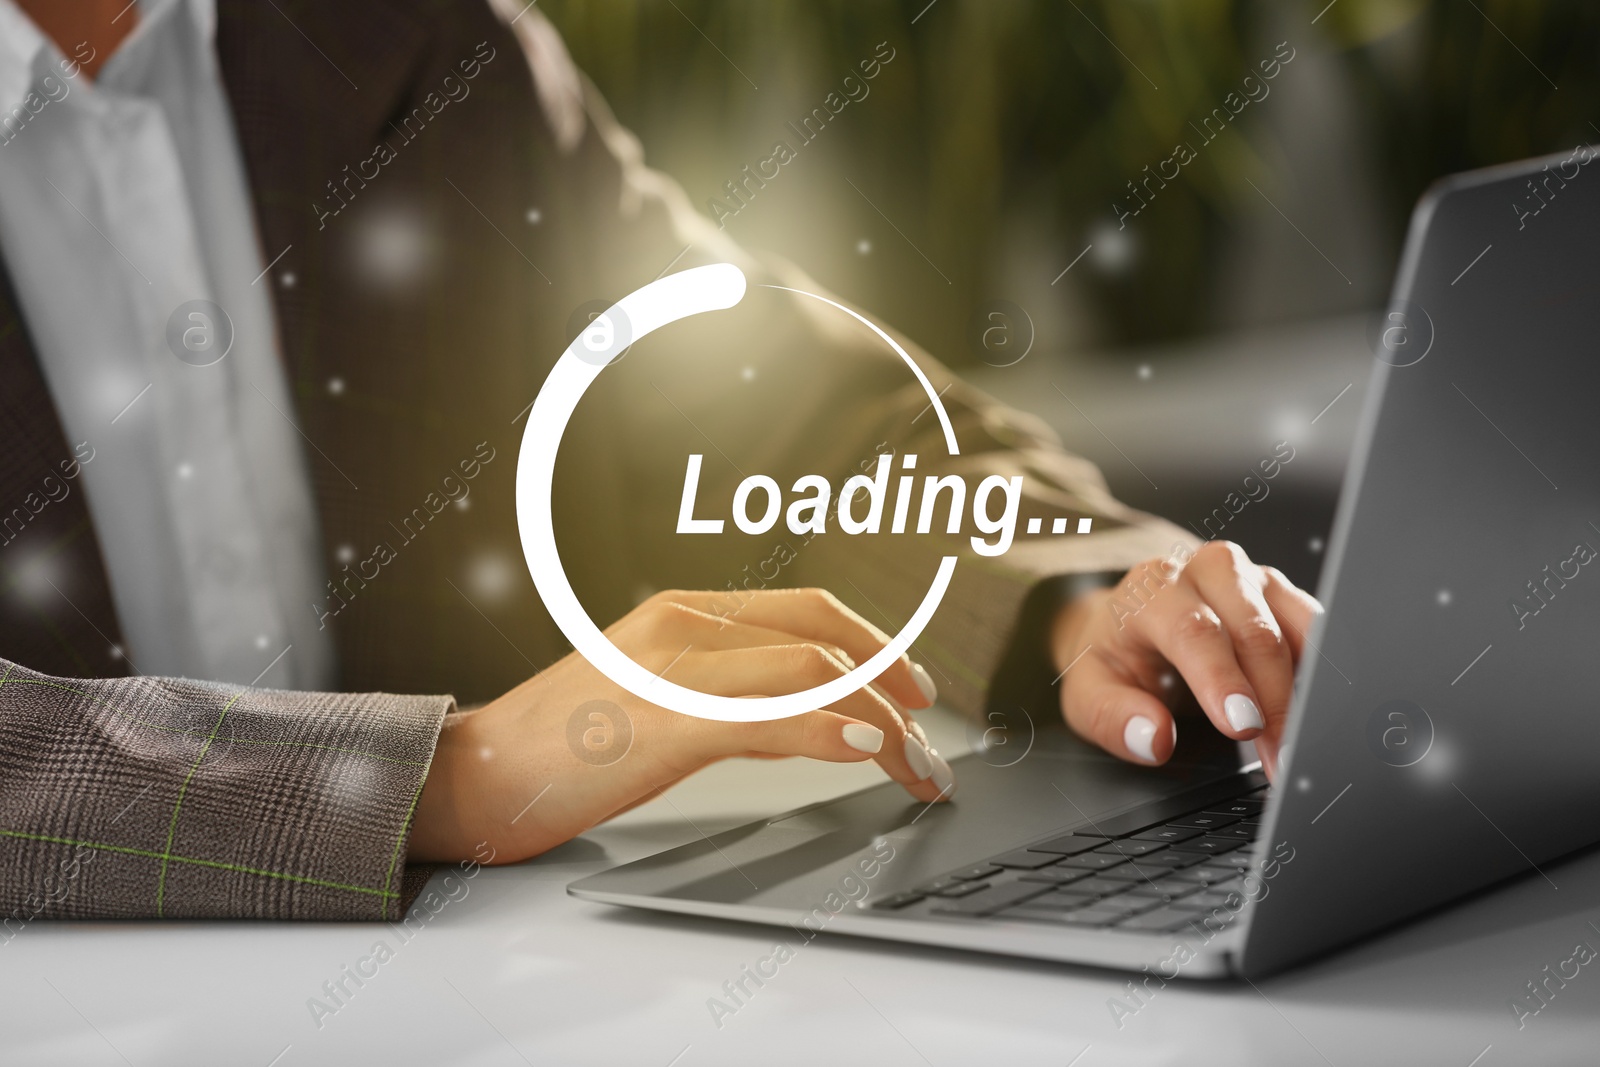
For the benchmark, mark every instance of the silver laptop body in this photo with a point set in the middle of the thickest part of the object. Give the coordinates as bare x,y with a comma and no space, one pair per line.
1446,725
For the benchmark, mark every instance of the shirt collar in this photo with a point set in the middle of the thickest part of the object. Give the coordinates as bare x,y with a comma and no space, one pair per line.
20,45
27,55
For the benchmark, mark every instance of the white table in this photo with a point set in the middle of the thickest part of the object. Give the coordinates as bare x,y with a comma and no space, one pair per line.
515,972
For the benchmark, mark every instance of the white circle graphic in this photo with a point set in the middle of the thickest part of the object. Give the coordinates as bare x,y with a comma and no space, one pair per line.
716,287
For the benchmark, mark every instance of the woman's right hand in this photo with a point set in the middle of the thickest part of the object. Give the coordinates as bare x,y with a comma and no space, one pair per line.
492,762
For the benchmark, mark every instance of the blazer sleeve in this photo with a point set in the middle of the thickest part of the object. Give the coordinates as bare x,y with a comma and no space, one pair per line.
166,798
785,385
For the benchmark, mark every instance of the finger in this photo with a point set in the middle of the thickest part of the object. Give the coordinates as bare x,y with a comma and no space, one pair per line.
1189,633
776,670
1267,753
706,632
821,735
941,776
817,615
1295,608
1230,586
1103,705
913,727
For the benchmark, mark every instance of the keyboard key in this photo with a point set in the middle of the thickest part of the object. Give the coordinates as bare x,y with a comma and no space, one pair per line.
1023,860
1204,820
1029,913
1076,905
1226,877
1164,893
1062,901
973,874
1094,916
1090,884
1170,886
1136,871
1159,903
1160,920
1082,917
1070,845
1094,913
1170,860
1056,875
1242,860
1128,905
1183,878
1212,921
1168,834
992,901
899,900
1131,847
1053,918
1238,832
1239,809
1174,860
1093,861
1215,875
1229,899
1209,846
960,889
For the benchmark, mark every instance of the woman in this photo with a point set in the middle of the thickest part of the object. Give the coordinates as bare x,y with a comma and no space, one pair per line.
149,539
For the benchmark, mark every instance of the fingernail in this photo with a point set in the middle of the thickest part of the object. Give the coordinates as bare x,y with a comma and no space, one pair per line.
1139,737
943,777
917,756
924,681
862,737
1242,712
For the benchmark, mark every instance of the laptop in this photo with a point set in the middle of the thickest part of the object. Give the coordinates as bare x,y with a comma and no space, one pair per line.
1446,722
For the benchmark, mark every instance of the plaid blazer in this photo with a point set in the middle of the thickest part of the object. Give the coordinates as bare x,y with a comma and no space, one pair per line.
521,202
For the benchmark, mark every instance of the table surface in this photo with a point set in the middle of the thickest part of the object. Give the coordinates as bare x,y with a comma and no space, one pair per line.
513,971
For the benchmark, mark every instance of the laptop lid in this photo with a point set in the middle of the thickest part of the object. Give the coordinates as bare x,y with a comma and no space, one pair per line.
1447,721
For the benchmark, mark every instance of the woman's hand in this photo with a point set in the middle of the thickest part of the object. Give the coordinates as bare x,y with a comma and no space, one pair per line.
1229,628
519,774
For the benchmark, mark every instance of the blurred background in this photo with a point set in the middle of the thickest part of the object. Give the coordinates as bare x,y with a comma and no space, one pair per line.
979,193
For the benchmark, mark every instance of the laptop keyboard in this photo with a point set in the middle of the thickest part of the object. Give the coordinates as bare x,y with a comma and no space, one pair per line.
1157,869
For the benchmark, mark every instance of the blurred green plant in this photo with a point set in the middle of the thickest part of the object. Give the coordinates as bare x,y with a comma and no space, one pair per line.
1454,84
1042,111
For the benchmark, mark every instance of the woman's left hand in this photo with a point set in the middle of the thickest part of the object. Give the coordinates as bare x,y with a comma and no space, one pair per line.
1231,629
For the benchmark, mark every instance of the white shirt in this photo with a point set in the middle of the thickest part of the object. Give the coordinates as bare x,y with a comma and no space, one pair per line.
122,199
